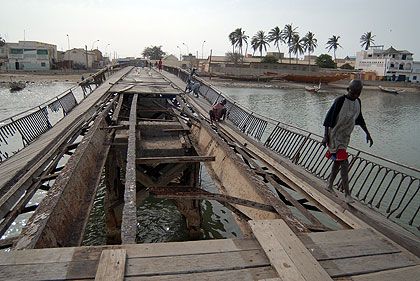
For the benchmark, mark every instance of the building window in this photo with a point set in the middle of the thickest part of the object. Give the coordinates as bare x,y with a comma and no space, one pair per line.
265,67
16,51
275,67
256,67
313,69
304,68
42,64
294,68
42,52
284,66
414,77
404,57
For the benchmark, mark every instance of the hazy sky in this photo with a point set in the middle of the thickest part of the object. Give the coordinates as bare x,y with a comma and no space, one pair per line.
129,26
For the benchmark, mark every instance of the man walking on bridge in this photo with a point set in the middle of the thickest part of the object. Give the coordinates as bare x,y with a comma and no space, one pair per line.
339,124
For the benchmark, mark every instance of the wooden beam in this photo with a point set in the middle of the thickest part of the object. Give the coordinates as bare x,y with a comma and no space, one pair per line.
287,254
174,159
111,265
129,217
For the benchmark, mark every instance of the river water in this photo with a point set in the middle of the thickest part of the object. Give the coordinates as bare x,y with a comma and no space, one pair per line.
393,121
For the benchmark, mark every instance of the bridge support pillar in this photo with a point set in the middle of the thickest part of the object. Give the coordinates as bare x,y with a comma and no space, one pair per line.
191,209
113,197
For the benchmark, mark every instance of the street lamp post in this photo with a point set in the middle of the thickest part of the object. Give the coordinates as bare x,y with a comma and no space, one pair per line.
188,49
68,42
179,53
202,49
94,44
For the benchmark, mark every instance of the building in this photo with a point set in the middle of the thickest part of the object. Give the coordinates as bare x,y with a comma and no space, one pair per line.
29,55
78,56
391,64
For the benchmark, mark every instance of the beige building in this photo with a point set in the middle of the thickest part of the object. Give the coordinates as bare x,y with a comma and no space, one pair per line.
78,58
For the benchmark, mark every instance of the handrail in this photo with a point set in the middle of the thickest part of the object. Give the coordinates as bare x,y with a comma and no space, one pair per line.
392,191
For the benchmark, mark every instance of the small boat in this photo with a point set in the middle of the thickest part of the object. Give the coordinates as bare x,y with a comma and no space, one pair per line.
16,86
394,91
314,88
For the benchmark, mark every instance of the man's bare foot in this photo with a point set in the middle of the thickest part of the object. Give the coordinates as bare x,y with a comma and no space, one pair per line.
348,199
331,190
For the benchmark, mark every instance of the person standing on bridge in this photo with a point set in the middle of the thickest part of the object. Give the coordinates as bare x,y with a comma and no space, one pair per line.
160,65
339,124
218,112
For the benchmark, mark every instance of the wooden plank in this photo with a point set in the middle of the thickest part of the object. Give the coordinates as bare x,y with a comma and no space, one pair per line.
36,256
174,159
185,264
286,252
248,274
129,217
356,243
366,264
411,273
55,271
111,265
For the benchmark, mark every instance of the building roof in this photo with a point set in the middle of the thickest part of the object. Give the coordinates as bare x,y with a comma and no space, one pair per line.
392,50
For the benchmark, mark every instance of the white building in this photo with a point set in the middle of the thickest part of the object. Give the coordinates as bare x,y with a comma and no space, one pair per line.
30,55
78,58
391,63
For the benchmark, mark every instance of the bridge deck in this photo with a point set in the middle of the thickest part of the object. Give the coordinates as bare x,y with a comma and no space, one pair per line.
275,253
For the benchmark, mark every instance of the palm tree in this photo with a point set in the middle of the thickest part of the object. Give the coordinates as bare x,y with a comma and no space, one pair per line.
260,41
310,43
276,36
288,34
367,40
297,46
241,38
332,43
233,40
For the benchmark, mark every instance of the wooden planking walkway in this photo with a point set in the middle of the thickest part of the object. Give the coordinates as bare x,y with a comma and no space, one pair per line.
20,167
358,252
224,259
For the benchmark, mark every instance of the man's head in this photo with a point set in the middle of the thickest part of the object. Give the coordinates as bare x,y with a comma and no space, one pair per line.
223,102
354,89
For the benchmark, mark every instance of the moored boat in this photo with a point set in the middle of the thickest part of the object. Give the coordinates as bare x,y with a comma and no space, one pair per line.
394,91
313,88
315,78
16,86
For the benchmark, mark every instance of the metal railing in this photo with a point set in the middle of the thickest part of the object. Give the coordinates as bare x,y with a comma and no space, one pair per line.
383,184
20,130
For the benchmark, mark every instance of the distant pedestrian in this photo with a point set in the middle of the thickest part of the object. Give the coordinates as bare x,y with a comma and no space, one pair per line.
218,112
339,124
160,65
142,64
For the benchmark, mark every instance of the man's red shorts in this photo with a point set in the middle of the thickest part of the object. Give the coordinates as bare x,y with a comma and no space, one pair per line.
340,155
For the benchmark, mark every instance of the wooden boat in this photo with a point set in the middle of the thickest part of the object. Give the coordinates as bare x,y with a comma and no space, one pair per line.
394,91
16,86
315,78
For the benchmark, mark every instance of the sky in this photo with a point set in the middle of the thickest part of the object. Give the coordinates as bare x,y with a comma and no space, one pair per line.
125,27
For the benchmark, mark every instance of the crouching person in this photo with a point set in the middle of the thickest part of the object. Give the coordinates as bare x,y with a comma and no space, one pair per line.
218,112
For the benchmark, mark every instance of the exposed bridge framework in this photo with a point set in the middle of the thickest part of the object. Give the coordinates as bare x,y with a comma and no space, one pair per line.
144,137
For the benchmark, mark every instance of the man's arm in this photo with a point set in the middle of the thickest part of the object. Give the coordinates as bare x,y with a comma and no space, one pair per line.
369,139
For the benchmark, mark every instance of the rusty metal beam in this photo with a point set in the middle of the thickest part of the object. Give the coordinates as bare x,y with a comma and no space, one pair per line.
174,159
129,217
199,194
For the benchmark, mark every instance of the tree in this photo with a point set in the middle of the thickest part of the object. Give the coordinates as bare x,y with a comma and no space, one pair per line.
310,43
153,53
276,36
346,66
288,33
296,46
367,40
270,59
332,43
2,42
260,41
325,61
241,38
234,57
232,39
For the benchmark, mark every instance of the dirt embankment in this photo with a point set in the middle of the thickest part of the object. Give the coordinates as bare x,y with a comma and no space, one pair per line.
50,76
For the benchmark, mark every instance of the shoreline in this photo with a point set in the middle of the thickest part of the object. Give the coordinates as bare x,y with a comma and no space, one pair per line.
45,76
283,84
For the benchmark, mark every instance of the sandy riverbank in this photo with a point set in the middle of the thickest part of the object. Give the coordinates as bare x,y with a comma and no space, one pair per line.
50,76
282,84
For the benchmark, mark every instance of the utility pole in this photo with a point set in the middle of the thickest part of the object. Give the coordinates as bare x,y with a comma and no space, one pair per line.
87,61
211,51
